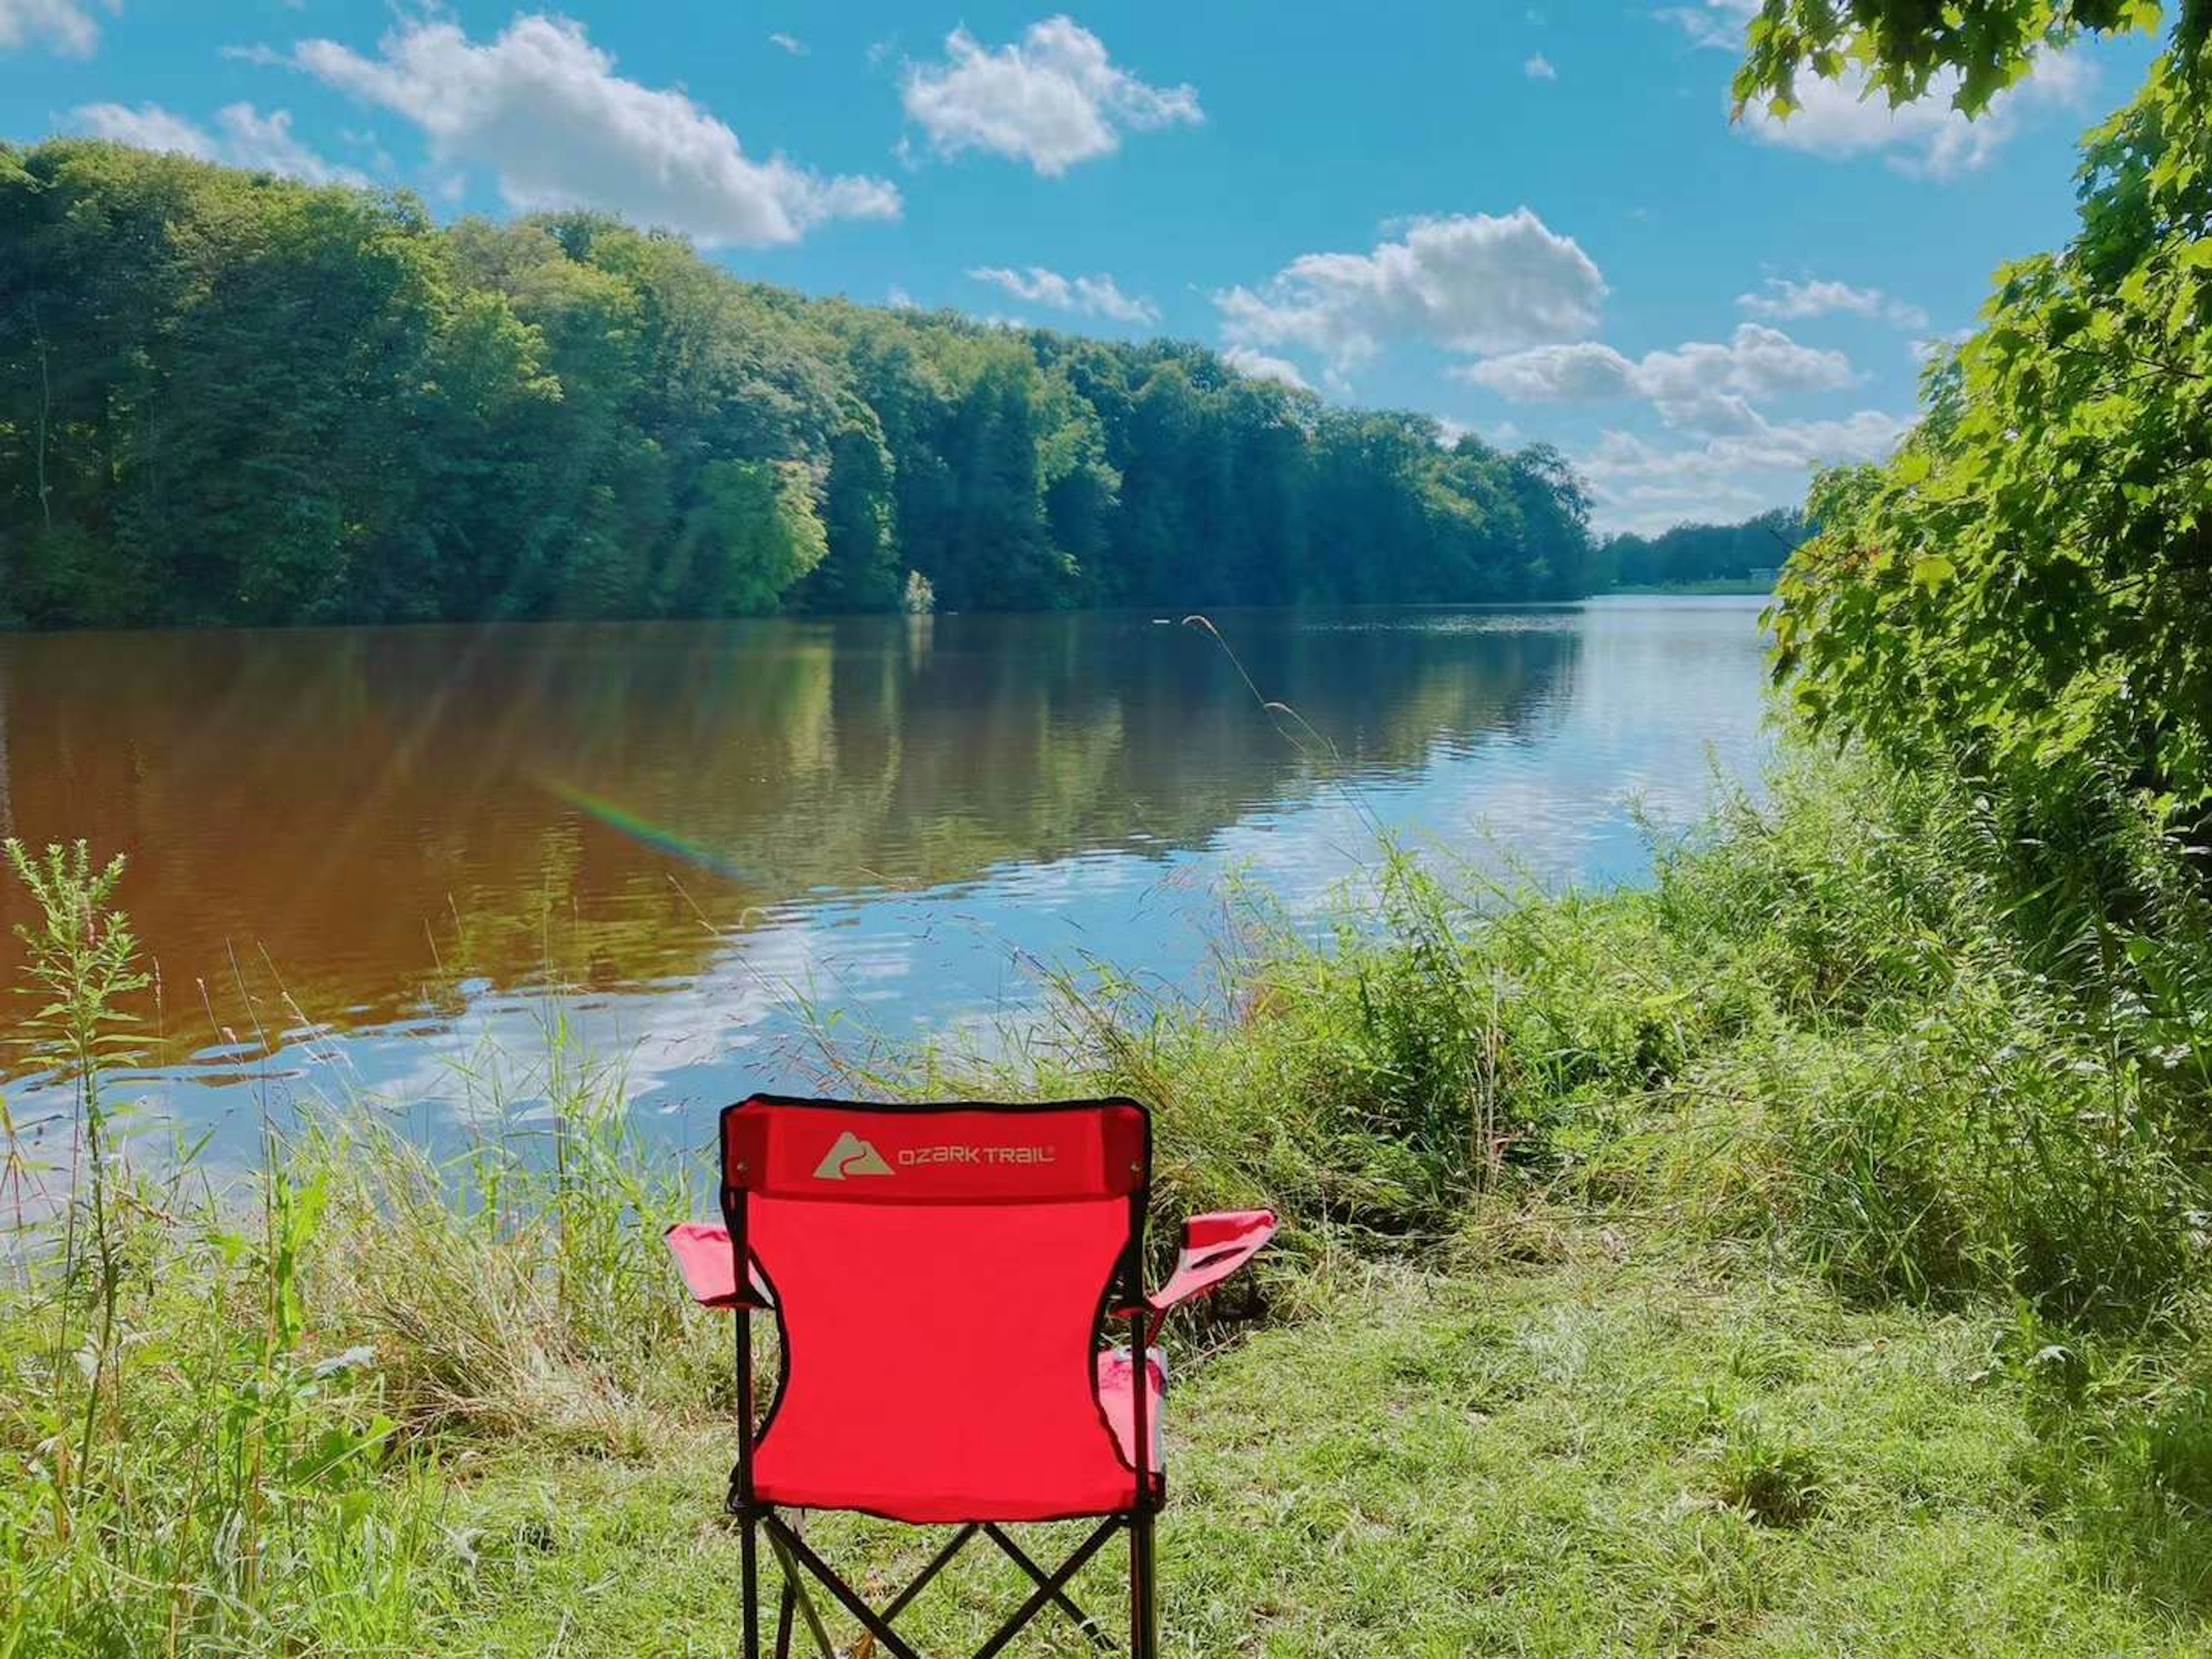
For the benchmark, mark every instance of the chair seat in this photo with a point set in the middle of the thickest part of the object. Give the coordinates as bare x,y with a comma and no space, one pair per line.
984,1490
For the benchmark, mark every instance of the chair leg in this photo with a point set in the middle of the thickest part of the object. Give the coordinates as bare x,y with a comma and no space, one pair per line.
789,1545
749,1528
795,1595
1144,1601
785,1605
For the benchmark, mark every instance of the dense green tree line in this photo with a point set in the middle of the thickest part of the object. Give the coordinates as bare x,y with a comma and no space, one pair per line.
1692,553
226,396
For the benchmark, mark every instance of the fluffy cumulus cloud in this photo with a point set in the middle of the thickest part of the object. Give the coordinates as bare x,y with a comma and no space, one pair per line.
1538,68
1637,484
543,108
1052,98
1840,118
148,127
1470,283
1926,138
1582,372
69,26
1704,385
252,140
1718,24
242,136
1088,296
1786,300
1262,367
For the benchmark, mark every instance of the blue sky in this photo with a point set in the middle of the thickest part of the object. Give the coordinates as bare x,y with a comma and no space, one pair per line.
1536,221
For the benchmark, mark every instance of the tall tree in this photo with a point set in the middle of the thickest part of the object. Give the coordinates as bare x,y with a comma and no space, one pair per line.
2025,591
860,570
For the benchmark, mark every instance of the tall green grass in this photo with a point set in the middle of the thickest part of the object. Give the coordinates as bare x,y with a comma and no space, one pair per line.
229,1400
1830,1027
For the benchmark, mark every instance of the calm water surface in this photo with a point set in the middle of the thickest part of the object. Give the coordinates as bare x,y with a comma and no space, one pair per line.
358,854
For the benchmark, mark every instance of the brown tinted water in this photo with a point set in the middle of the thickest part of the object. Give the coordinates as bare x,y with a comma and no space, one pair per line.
355,853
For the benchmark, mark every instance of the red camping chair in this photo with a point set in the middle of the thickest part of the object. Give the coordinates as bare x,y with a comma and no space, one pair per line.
939,1277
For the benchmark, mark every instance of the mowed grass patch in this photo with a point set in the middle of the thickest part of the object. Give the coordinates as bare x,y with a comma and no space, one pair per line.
1602,1455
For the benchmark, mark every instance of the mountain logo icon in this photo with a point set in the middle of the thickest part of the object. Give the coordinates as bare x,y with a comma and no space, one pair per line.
851,1156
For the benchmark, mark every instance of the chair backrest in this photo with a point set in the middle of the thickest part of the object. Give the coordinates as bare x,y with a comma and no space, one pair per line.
939,1275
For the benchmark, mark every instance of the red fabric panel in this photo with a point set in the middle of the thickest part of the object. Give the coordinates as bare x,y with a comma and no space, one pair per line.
1214,1246
938,1155
1115,1393
702,1256
940,1356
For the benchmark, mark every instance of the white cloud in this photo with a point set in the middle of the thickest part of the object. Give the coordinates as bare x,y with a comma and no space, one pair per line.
790,43
1787,301
1538,68
1926,138
65,26
1704,385
1469,283
1718,24
1504,435
1642,486
252,140
244,137
1090,297
1052,98
544,109
1262,367
148,127
898,299
1837,117
1581,372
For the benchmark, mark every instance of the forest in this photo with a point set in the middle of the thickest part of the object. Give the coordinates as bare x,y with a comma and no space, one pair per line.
1690,555
231,398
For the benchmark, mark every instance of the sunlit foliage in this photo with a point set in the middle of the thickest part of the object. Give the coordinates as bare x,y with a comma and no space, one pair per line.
2025,592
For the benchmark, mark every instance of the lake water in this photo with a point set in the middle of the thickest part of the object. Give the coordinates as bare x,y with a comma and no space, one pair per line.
358,854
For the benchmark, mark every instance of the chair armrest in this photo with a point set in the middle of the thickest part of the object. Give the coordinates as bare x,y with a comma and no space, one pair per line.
703,1256
1214,1246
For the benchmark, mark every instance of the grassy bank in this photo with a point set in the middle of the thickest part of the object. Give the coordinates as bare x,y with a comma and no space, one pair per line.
1575,1449
1800,1257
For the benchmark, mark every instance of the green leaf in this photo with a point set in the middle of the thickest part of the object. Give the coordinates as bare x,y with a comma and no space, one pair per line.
1932,570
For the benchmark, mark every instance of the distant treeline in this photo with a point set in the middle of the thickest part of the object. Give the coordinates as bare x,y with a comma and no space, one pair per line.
1691,553
231,398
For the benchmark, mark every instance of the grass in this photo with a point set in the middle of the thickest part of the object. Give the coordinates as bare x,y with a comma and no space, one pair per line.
1801,1256
1587,1454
